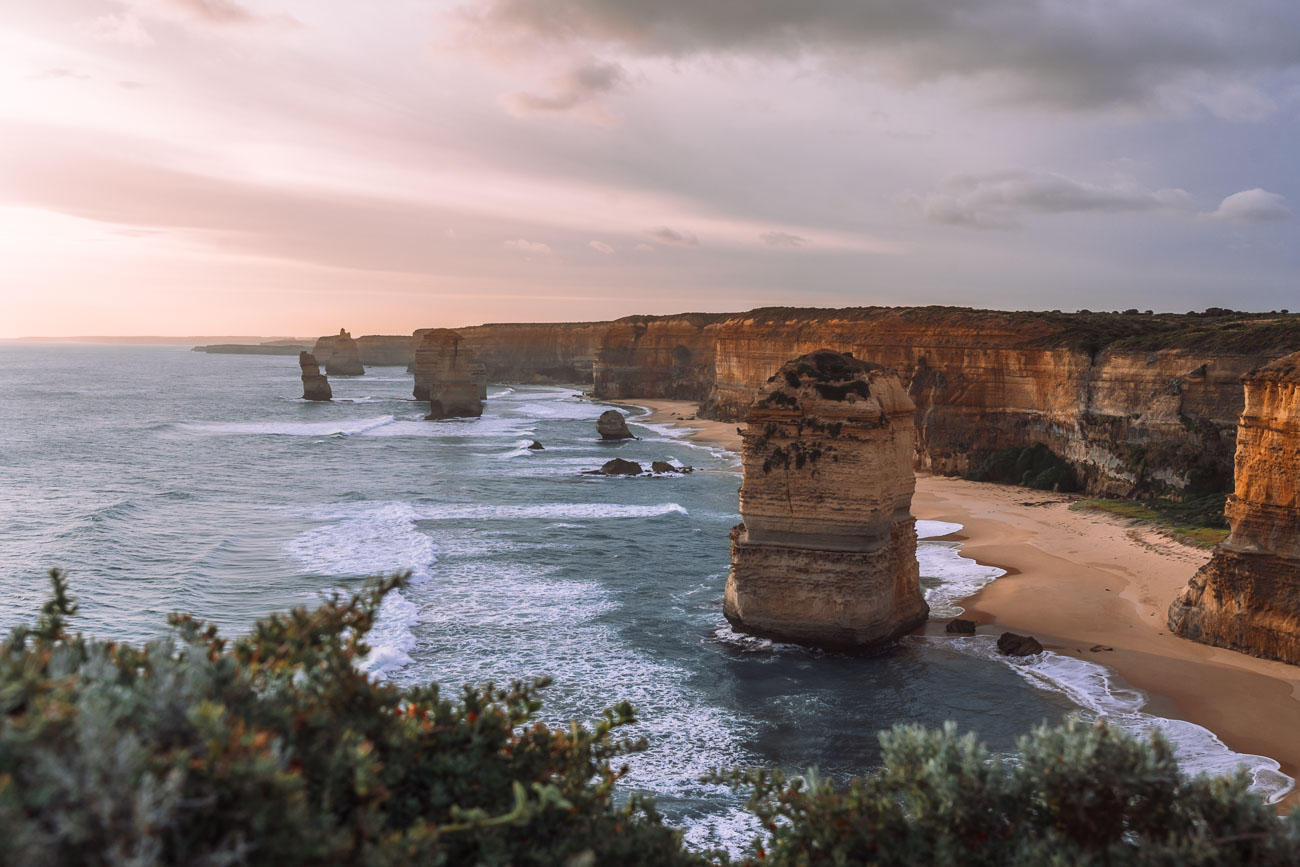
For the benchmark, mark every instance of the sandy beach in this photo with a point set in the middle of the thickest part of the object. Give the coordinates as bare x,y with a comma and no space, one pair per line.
1076,580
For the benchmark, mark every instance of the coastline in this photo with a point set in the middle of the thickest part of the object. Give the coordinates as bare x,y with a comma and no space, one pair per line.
1076,580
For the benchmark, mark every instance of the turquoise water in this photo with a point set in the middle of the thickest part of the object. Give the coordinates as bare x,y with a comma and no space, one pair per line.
163,479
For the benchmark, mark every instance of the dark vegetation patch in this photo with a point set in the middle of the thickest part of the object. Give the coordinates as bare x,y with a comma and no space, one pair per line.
841,392
1195,520
1036,467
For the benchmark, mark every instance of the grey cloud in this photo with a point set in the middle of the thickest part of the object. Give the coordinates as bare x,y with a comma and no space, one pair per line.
998,200
1081,55
1252,206
577,87
218,11
666,235
782,239
601,247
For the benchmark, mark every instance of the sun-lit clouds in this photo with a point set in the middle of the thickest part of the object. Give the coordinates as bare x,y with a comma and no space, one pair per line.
528,248
782,240
577,90
1001,200
1111,53
601,247
674,237
1252,206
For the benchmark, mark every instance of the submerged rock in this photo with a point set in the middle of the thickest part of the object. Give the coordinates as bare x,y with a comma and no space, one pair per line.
827,551
612,425
620,467
1010,644
663,467
314,384
960,626
536,446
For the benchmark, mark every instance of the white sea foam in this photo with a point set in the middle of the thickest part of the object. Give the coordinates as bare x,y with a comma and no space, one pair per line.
339,427
545,511
375,539
1093,688
935,529
947,577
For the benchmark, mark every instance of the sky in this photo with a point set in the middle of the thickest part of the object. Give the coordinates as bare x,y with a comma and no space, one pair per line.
290,167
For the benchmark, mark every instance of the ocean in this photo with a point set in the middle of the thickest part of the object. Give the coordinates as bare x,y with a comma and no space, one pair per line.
163,479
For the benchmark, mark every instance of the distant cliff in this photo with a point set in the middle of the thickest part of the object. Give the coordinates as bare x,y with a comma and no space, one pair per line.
1136,403
1248,596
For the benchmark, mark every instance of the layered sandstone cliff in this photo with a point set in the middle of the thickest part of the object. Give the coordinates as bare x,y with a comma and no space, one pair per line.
1136,404
386,350
553,352
826,553
314,384
1248,596
443,376
340,354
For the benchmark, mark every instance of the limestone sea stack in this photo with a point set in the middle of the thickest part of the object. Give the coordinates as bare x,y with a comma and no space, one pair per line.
827,551
478,373
314,384
1248,596
340,353
443,378
612,426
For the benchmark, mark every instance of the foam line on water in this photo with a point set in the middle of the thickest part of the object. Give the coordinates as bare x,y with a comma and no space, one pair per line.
546,511
353,427
1093,688
935,529
376,540
947,577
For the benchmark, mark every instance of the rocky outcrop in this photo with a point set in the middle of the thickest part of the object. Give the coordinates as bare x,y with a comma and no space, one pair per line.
620,467
1248,596
478,373
613,426
1010,644
386,350
670,357
443,378
340,354
826,553
960,626
314,384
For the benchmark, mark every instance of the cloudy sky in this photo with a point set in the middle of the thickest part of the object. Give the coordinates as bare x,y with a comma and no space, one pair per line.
290,166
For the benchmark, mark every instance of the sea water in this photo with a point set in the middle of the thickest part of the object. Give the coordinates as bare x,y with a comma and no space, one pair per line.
165,480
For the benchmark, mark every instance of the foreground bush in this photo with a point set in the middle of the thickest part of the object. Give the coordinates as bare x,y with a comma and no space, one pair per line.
275,749
1077,794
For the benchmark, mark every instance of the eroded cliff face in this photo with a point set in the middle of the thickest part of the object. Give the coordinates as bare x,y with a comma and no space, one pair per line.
1248,596
826,553
386,350
1130,421
672,357
556,352
443,376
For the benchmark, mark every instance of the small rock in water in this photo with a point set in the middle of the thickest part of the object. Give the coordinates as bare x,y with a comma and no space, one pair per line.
1011,644
620,467
663,467
958,625
613,426
536,446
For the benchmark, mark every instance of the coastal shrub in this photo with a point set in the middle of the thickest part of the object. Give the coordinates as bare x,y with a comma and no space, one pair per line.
1036,467
275,749
1077,794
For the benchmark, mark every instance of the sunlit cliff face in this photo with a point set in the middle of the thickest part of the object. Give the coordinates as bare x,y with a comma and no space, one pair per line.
207,166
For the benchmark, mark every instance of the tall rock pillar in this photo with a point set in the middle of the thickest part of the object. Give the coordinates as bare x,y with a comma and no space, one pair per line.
314,385
827,551
443,376
1247,597
340,354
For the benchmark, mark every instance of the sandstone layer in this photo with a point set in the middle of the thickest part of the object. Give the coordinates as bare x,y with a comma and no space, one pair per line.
826,553
1248,596
340,354
443,376
314,384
